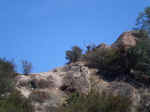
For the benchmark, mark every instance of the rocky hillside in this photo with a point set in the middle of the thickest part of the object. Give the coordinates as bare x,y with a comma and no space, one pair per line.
49,90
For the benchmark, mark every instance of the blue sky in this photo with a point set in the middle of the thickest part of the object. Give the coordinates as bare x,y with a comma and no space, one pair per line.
42,30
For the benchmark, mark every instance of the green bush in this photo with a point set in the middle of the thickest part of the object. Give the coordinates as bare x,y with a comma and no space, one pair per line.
143,20
140,57
120,63
15,103
141,34
97,57
11,100
110,62
95,102
74,54
7,73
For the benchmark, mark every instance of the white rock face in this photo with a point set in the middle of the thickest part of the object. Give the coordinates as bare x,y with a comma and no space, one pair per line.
52,86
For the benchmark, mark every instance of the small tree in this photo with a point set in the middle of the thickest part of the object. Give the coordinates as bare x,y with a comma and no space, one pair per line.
27,67
143,20
74,54
90,47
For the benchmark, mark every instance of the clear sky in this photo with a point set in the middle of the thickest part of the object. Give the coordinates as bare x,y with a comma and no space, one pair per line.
42,30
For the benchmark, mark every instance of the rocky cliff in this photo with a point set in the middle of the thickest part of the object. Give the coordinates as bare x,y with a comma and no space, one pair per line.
48,90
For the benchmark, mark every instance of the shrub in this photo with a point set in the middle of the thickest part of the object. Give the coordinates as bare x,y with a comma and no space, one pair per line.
90,48
74,54
140,58
95,102
97,57
141,34
11,100
7,72
144,105
143,20
109,62
118,63
15,103
27,67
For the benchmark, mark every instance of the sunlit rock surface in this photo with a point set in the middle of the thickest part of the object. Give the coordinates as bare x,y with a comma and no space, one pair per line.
48,90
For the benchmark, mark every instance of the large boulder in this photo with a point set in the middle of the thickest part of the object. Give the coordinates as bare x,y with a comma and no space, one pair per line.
119,89
76,79
103,46
125,40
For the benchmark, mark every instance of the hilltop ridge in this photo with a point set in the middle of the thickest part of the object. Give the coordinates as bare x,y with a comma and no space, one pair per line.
50,89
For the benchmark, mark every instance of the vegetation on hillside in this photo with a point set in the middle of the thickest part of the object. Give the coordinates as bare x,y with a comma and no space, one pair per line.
10,99
15,102
74,54
7,73
143,20
122,63
95,102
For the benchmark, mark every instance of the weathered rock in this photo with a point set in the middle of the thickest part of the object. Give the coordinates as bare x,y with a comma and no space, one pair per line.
103,46
120,89
126,40
144,105
70,78
47,100
76,79
50,89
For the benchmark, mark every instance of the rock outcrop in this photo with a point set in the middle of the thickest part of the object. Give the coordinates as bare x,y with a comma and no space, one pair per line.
103,46
48,90
126,40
